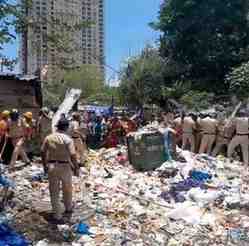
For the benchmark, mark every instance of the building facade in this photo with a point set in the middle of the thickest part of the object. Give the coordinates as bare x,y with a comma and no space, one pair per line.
63,33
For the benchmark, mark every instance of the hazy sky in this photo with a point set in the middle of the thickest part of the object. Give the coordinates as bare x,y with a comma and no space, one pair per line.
127,30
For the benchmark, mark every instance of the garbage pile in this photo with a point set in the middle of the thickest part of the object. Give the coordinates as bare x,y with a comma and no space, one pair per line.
198,200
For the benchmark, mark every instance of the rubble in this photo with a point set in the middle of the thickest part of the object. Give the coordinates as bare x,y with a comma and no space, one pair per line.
117,205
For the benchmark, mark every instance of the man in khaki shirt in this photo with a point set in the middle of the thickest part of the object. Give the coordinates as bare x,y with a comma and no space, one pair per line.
189,126
177,126
16,134
44,125
59,158
78,138
242,133
209,129
224,135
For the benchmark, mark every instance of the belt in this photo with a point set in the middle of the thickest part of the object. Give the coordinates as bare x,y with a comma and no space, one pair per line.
227,137
242,134
59,162
207,133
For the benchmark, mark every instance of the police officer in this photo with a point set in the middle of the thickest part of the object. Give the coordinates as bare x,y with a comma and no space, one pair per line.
209,129
189,127
78,138
177,126
16,134
224,135
241,124
59,160
44,124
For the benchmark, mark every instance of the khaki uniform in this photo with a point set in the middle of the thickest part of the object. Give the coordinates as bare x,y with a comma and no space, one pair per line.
44,126
224,136
16,133
198,136
58,149
79,141
177,126
188,133
241,138
209,128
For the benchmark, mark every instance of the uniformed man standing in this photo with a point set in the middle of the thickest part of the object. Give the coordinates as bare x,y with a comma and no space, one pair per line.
44,124
242,132
59,160
189,127
177,126
209,128
198,133
224,135
78,138
17,136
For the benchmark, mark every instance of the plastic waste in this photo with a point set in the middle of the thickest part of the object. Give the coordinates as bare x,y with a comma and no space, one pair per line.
187,212
44,242
199,176
204,196
83,229
10,237
5,182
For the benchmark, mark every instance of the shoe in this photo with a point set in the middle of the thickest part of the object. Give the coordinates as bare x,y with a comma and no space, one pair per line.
68,212
57,221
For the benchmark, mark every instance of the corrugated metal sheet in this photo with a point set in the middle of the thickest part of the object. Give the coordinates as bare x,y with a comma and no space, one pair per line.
21,77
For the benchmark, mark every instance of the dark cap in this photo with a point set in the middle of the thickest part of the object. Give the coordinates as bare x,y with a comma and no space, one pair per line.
62,124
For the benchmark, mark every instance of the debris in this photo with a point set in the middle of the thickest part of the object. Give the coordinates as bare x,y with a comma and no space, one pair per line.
195,202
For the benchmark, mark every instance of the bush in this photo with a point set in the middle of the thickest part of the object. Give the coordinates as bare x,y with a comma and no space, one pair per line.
196,100
238,81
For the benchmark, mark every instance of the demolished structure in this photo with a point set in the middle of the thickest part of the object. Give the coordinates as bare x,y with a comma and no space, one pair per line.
196,200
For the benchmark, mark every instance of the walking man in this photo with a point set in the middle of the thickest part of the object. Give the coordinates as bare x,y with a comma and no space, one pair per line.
16,134
59,160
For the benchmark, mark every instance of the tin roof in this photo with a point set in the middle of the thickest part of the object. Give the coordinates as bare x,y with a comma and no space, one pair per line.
21,77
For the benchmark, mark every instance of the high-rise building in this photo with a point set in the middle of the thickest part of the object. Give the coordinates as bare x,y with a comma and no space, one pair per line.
58,18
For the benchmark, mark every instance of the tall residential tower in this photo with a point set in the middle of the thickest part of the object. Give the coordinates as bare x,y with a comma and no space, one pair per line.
59,18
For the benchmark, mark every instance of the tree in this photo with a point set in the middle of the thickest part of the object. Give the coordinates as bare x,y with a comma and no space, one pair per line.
106,96
87,78
7,11
142,78
238,81
13,20
207,36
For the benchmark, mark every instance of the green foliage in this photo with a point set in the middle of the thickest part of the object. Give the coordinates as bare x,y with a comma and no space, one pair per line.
207,36
196,100
87,78
106,96
142,78
176,91
238,81
7,12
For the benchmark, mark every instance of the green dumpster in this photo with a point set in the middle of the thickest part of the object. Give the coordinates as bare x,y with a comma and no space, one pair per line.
146,152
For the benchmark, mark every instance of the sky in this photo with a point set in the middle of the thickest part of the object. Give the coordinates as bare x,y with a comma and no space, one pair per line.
127,30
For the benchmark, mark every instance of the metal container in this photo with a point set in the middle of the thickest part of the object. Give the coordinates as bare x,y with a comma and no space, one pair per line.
146,152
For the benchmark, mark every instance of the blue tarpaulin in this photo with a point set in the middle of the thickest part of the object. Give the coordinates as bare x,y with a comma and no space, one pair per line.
100,110
5,182
9,237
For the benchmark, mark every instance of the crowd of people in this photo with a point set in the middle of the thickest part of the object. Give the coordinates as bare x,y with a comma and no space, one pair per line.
21,135
210,133
65,150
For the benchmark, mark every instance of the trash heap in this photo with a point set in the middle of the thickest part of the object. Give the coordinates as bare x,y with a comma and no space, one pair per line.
198,200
